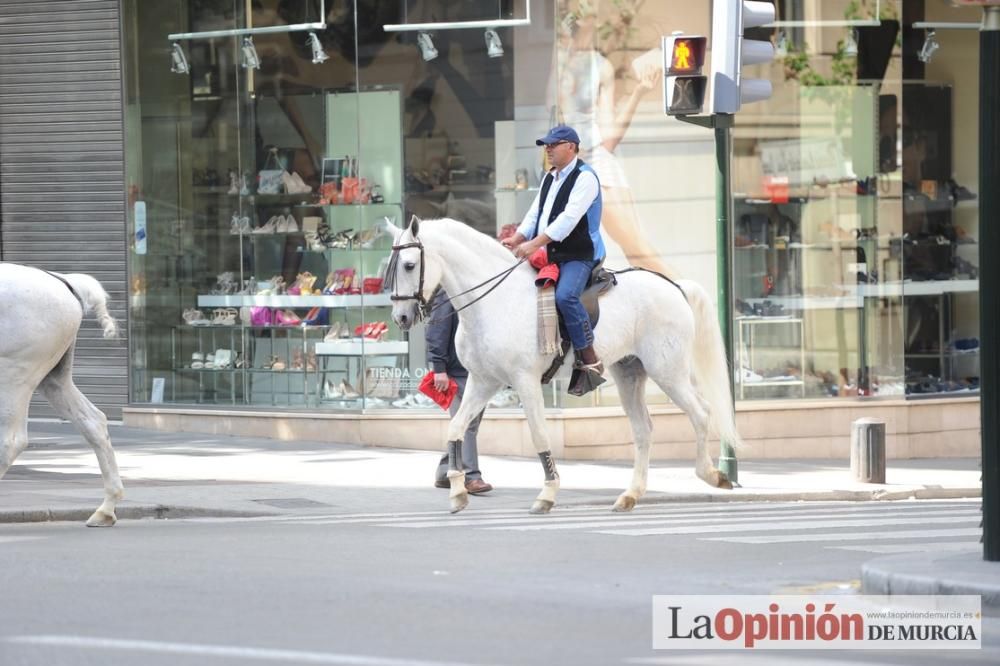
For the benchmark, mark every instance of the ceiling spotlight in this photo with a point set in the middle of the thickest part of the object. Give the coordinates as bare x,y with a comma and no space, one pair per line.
494,48
178,63
319,55
851,45
250,58
427,50
781,44
930,46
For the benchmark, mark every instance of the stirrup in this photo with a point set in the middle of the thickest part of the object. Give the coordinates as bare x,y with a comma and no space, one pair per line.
585,378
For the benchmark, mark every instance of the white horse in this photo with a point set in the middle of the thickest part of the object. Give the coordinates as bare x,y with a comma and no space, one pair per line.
648,328
42,313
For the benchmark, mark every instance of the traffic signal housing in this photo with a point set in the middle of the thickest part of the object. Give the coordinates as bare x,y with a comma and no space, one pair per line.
730,52
683,84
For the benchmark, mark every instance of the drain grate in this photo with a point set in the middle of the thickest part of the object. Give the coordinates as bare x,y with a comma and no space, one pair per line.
291,502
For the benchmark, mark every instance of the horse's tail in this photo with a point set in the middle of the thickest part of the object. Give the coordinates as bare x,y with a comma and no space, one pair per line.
94,299
711,368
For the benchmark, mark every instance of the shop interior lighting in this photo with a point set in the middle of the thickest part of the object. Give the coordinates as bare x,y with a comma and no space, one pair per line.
781,44
241,32
462,25
178,63
851,44
319,55
494,47
930,46
427,50
938,25
250,59
823,23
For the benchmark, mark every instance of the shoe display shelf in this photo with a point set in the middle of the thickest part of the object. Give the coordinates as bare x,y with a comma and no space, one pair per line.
356,356
752,347
271,365
947,360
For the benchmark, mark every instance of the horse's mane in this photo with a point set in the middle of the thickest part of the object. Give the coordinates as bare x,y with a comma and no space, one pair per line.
475,241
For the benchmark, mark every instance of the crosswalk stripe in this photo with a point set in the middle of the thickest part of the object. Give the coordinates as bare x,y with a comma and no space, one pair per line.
770,526
665,509
849,536
552,522
927,547
568,514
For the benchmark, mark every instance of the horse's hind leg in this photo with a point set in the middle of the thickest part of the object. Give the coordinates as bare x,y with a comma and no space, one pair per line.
13,425
69,403
630,378
678,387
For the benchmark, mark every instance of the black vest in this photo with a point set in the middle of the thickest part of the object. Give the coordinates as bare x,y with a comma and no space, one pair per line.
577,245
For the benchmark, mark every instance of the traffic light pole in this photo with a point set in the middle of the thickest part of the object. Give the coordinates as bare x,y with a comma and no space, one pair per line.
722,123
989,275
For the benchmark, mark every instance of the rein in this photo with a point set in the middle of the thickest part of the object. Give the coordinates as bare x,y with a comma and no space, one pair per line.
424,307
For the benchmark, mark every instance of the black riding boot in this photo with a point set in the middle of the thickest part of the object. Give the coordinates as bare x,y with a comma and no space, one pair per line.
587,372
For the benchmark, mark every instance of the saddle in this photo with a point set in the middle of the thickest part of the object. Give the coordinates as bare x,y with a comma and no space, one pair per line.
600,282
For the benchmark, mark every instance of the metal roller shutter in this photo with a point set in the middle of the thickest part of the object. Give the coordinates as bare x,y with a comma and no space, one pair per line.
62,186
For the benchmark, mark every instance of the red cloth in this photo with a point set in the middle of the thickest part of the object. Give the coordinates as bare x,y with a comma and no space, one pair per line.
548,276
442,398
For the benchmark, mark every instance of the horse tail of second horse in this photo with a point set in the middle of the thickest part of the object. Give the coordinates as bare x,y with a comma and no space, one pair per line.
94,299
711,367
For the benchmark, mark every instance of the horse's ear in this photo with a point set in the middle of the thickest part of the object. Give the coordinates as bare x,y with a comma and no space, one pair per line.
386,226
414,226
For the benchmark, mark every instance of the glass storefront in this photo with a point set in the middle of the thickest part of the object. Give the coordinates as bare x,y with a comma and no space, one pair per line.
261,169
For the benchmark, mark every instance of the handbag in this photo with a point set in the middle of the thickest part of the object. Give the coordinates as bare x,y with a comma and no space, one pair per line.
269,177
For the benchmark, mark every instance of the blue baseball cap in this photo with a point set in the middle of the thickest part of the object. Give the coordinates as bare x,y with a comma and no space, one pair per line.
557,134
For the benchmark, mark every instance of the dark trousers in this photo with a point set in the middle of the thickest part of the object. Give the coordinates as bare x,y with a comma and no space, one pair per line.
470,451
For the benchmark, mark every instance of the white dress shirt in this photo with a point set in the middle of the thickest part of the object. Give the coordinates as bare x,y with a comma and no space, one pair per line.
581,198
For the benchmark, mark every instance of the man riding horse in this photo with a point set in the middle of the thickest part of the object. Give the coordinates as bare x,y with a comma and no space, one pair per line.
565,218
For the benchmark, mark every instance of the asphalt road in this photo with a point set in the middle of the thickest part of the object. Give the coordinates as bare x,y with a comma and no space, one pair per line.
423,588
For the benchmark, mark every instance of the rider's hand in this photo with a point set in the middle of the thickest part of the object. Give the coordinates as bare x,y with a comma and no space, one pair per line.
441,381
512,242
528,248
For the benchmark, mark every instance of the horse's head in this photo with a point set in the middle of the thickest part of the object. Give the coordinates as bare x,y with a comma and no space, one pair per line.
412,275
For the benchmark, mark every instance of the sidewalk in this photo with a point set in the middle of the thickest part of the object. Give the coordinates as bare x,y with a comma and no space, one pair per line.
182,474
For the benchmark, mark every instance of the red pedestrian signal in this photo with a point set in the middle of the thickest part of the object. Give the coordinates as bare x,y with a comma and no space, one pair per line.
683,84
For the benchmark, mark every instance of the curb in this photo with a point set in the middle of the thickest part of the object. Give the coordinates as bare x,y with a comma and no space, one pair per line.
142,511
921,573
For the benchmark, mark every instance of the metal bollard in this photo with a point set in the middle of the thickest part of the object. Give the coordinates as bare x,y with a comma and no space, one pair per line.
868,450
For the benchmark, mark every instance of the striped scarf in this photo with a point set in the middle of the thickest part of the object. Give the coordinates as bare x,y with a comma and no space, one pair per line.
548,322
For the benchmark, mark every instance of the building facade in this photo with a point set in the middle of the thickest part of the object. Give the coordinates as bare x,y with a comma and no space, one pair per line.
242,180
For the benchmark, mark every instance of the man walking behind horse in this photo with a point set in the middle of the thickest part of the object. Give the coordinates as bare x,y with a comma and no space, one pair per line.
565,218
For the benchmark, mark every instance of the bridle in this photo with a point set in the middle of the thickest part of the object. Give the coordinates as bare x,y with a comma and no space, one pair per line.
424,307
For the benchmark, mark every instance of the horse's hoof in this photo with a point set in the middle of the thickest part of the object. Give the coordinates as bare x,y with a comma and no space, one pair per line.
102,519
459,502
724,482
624,504
541,506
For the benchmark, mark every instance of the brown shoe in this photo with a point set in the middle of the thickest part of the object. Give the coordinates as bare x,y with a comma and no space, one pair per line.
442,483
477,486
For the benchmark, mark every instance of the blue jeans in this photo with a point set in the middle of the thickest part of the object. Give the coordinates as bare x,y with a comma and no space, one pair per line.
573,276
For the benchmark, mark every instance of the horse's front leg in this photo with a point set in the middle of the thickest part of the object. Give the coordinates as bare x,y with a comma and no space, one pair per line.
477,393
530,392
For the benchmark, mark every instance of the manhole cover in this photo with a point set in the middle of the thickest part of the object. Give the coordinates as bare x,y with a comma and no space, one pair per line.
291,502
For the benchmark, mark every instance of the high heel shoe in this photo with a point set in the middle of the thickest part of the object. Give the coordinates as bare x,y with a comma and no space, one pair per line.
334,333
